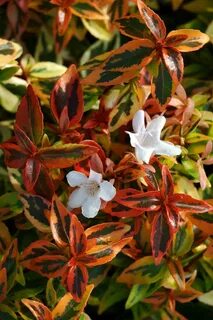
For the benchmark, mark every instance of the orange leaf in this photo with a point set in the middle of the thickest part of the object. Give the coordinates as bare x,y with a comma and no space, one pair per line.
194,39
78,241
60,222
38,309
174,63
152,20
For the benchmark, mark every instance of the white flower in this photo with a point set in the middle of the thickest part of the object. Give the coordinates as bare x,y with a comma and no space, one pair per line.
89,193
146,141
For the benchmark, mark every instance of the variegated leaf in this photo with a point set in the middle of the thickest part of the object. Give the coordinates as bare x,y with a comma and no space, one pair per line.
67,103
67,308
143,271
77,280
38,309
37,211
29,116
153,22
78,241
187,40
60,223
65,156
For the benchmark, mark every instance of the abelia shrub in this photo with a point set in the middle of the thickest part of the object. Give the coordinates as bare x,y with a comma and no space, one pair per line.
105,152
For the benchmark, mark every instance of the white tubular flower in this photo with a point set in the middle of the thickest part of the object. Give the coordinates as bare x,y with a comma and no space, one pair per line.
146,141
89,193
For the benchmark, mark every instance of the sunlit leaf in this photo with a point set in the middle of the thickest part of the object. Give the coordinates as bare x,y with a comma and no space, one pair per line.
194,39
67,308
37,211
143,271
152,20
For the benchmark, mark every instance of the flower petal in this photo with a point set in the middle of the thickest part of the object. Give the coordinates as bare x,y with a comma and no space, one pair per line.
91,206
138,121
167,148
143,154
155,127
95,176
77,198
107,191
134,138
76,178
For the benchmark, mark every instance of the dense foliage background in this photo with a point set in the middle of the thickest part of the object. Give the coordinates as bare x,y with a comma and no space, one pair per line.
73,73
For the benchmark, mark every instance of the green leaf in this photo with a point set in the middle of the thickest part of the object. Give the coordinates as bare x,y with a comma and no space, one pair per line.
115,292
46,70
144,271
183,240
8,72
162,88
6,313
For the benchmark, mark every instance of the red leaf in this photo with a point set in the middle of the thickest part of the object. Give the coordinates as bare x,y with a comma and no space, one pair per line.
78,240
144,201
152,20
14,156
161,236
63,19
167,182
188,204
44,185
174,63
60,223
77,280
38,309
3,284
29,116
65,156
31,173
67,92
23,141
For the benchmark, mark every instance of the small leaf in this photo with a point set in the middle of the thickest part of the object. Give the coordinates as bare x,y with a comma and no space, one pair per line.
102,254
9,51
7,313
183,240
106,233
143,201
67,94
38,309
9,262
51,295
46,70
152,21
78,241
118,9
194,39
188,204
132,26
67,308
37,211
23,141
161,236
129,104
14,156
162,85
204,221
44,258
174,63
65,156
5,237
60,223
3,284
29,116
143,271
31,173
77,280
